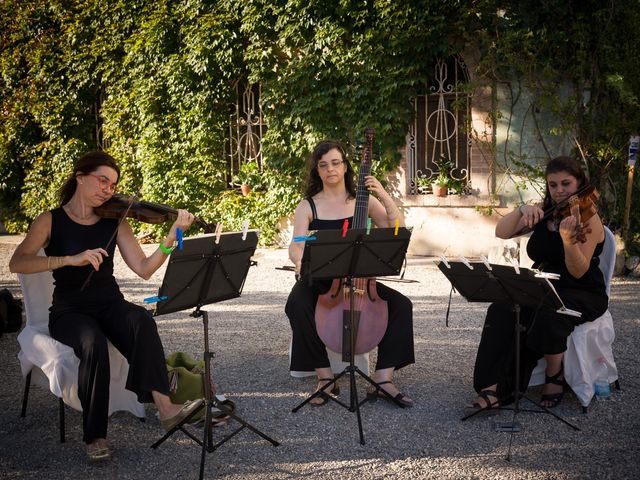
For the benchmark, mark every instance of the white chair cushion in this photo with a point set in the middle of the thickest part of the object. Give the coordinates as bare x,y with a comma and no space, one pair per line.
54,364
337,365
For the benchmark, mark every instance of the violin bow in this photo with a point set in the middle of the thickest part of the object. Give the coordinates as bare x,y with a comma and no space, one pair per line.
132,199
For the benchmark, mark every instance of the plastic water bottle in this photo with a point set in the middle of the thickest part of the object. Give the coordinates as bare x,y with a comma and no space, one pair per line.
602,385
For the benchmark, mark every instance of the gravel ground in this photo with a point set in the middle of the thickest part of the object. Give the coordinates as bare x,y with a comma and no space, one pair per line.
250,337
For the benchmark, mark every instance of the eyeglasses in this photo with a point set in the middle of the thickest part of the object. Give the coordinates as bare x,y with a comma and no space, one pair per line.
333,163
104,183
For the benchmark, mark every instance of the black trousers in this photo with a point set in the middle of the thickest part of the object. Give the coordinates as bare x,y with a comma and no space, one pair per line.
133,331
544,332
307,350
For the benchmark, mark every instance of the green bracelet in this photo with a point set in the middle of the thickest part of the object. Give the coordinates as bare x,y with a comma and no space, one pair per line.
166,250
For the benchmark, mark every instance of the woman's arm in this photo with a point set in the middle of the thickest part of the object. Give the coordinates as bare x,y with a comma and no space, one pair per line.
301,220
577,255
134,256
383,210
523,216
25,259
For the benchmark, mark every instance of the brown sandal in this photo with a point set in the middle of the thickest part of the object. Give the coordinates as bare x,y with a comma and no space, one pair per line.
554,398
373,396
323,395
489,408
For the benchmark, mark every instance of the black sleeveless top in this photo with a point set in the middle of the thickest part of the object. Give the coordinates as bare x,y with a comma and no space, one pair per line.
319,224
586,294
71,238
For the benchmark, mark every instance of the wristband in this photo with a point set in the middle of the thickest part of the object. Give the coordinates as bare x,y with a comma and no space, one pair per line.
165,250
520,209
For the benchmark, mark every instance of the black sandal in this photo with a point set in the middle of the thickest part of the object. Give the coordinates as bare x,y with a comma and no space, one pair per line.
323,395
372,396
489,408
554,398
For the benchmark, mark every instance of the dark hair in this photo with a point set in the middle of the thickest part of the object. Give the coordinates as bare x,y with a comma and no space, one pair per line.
563,164
314,182
87,163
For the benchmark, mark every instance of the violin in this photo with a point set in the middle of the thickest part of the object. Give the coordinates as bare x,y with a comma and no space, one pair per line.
581,205
370,311
124,206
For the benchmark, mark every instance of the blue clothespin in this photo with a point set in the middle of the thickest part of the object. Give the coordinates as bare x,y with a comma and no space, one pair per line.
179,236
155,299
368,225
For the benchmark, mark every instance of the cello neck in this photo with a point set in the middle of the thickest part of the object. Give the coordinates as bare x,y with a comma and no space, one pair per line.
362,194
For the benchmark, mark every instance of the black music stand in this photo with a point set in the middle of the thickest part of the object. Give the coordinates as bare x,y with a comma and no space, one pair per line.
207,271
484,282
358,253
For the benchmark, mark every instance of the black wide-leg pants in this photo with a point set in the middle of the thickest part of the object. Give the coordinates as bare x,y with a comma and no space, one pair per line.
133,331
307,350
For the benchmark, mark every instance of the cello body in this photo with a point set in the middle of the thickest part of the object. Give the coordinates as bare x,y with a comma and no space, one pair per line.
370,312
333,313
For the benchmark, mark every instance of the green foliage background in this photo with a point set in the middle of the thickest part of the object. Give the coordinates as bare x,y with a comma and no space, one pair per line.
154,83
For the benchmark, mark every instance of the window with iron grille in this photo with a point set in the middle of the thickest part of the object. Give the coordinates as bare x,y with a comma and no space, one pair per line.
246,129
440,129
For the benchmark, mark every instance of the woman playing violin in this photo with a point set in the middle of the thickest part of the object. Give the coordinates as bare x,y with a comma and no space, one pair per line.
559,246
85,315
329,200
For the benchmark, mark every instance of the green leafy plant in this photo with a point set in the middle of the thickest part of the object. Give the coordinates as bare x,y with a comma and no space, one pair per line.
249,174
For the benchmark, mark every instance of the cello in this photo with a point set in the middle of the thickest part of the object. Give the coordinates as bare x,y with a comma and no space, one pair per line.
333,309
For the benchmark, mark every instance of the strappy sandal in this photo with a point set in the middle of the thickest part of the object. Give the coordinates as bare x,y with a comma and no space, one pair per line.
490,408
323,395
373,396
98,454
554,398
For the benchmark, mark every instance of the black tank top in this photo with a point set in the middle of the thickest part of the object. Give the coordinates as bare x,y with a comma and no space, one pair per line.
319,224
70,238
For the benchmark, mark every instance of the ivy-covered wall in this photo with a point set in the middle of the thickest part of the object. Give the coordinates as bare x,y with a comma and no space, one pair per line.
153,83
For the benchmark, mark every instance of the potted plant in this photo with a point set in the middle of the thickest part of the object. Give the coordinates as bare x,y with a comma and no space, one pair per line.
247,177
442,182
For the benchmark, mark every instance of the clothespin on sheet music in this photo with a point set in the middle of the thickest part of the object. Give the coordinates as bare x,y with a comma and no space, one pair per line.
516,267
218,232
345,227
484,260
444,260
466,262
245,229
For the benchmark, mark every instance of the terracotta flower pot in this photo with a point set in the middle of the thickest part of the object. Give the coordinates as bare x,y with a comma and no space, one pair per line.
439,190
245,189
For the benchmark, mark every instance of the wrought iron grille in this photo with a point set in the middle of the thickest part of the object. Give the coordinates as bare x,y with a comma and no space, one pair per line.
246,129
440,129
